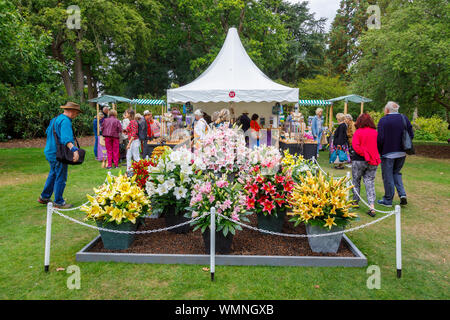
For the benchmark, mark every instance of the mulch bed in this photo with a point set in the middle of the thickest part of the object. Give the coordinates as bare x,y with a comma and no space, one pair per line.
40,143
245,242
433,151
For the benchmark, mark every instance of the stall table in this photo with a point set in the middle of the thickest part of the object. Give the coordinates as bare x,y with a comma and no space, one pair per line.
307,149
152,144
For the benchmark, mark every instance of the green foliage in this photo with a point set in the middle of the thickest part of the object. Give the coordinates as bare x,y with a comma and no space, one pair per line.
376,116
407,59
431,129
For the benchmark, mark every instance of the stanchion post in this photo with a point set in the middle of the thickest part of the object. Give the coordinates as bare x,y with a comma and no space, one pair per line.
212,245
398,240
348,184
48,236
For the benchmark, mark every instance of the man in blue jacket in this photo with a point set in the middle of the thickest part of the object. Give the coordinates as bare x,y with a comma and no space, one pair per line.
390,146
57,177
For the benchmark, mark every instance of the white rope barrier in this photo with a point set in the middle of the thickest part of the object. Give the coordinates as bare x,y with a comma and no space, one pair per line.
295,235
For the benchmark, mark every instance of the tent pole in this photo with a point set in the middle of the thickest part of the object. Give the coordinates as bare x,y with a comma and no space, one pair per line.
98,121
331,117
345,107
362,107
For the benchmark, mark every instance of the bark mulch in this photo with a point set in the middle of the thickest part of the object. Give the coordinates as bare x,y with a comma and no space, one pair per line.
40,143
433,151
245,242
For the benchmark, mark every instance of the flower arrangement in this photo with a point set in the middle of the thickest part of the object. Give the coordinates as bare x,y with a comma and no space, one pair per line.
266,193
308,136
322,201
118,200
297,166
226,197
170,181
266,158
140,169
157,152
223,149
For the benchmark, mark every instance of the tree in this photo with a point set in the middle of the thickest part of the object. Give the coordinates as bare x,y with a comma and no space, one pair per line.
407,59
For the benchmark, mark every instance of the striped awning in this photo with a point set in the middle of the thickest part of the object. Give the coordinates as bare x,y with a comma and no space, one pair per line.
313,102
149,102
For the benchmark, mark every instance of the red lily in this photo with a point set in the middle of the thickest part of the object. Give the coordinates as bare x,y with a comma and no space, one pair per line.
268,206
250,202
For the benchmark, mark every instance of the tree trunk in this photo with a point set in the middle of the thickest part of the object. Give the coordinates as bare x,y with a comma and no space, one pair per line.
92,87
445,105
78,70
58,55
241,20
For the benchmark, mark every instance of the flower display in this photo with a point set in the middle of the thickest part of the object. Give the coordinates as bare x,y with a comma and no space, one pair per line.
322,201
119,200
170,181
227,198
223,149
267,193
157,152
140,169
297,166
265,158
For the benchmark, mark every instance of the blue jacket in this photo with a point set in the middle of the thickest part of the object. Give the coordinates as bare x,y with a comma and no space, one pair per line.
63,128
390,132
315,126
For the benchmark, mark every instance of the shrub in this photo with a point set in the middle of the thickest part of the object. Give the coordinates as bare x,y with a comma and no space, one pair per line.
376,116
431,129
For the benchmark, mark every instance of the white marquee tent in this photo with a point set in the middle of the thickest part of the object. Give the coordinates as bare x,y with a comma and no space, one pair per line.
234,79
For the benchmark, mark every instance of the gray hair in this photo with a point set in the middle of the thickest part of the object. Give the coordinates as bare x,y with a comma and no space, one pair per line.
392,106
349,116
319,110
198,112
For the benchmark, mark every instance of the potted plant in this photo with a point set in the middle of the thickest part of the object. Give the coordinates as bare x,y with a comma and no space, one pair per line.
227,198
297,166
140,169
169,185
222,150
268,188
321,203
118,204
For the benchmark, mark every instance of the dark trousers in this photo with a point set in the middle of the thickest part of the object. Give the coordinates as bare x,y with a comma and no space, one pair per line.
392,178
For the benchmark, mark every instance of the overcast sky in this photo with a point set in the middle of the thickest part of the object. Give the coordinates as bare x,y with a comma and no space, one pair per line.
323,9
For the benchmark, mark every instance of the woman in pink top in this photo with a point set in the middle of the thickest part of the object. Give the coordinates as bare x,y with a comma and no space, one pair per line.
365,159
111,129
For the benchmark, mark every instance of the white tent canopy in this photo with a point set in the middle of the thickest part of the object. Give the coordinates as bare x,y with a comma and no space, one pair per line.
232,77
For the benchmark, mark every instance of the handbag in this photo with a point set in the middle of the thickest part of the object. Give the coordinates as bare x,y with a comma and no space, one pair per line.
407,144
342,156
333,156
64,154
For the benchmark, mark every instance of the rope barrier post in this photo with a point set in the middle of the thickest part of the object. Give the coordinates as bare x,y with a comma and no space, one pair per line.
398,238
348,184
48,236
212,245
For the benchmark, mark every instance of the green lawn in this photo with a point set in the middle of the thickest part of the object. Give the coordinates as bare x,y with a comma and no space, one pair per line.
426,243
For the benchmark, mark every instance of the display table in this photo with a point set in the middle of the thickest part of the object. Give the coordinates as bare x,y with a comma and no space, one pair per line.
152,144
307,149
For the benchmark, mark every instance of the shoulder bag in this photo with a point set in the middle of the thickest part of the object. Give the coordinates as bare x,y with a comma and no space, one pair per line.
64,154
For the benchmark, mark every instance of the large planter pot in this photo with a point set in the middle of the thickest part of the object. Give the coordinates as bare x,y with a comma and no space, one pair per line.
271,222
117,241
172,219
223,244
325,244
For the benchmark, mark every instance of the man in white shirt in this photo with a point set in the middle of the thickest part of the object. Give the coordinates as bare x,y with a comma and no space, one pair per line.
200,127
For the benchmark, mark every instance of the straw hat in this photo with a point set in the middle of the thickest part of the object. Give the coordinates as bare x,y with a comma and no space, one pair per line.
245,111
71,105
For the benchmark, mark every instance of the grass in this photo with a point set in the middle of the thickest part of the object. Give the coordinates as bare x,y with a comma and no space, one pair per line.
22,175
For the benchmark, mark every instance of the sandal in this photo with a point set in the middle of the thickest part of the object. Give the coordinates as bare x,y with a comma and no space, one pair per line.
371,212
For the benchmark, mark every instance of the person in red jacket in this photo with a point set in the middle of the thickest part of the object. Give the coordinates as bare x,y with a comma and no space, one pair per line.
111,129
365,159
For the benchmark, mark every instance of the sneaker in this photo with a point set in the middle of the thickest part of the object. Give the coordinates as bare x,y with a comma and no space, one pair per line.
108,168
43,200
65,205
383,203
403,201
371,213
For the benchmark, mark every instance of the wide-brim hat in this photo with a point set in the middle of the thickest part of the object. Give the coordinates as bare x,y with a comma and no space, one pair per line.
245,112
72,105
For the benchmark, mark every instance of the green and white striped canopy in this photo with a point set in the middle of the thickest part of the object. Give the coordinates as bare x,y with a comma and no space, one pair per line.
151,102
313,102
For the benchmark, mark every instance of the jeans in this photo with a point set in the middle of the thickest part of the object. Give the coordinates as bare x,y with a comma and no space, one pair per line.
392,178
133,153
361,169
56,181
318,138
95,146
112,149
